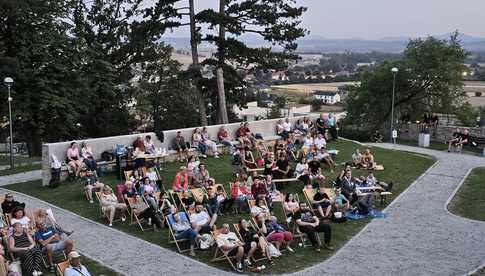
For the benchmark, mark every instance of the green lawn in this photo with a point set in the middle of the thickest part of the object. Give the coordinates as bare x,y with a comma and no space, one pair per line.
401,167
21,164
469,201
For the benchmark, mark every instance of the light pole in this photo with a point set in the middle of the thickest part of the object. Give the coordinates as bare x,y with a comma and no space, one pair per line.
394,71
8,81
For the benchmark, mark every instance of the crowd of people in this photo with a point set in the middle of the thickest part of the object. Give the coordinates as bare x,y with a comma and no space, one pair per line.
32,237
194,205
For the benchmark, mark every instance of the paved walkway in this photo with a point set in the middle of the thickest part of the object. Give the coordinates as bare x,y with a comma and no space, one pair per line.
418,236
20,177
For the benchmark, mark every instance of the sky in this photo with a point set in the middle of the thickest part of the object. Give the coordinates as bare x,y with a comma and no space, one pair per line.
376,19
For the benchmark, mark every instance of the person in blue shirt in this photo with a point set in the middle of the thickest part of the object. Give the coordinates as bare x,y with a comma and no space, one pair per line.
51,242
75,267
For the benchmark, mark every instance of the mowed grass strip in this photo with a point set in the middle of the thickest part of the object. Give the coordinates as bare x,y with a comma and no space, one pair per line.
469,201
400,167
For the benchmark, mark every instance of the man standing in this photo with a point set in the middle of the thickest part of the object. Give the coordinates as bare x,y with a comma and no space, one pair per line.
75,268
309,224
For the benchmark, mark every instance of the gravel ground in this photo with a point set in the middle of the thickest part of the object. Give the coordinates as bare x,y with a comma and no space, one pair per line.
418,236
20,177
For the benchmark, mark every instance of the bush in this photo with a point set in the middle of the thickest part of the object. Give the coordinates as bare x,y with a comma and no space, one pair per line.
355,133
316,105
304,100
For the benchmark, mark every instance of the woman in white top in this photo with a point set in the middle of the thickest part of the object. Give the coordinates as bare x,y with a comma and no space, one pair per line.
18,216
308,141
320,141
302,172
198,142
260,208
209,143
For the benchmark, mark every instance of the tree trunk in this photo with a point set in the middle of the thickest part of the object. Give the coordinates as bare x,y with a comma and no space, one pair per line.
32,139
221,96
195,64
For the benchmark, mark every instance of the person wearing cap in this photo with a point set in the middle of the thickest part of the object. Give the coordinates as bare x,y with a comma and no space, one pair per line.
75,267
9,204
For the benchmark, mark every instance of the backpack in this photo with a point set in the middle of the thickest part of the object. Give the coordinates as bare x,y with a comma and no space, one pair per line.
107,156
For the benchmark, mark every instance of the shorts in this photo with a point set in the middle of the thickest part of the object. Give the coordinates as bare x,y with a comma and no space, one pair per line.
233,252
58,246
180,148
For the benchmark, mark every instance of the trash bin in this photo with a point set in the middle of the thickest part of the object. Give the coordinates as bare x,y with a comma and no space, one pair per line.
423,140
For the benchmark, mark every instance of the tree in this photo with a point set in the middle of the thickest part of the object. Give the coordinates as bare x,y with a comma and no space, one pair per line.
429,79
275,21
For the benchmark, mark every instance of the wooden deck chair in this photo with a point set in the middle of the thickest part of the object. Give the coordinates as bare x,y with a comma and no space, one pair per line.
134,217
309,194
61,267
236,227
292,226
101,213
128,174
159,179
8,219
198,194
219,254
172,236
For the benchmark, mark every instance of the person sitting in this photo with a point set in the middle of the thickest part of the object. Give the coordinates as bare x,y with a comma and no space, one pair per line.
309,224
291,206
42,215
321,202
181,180
237,161
109,205
248,159
88,157
332,126
341,203
245,136
224,202
269,164
357,158
230,244
252,241
325,157
180,146
139,153
202,177
187,200
287,126
308,141
259,190
280,130
23,246
185,230
201,220
320,141
240,194
129,191
51,242
143,210
209,143
302,172
74,159
225,139
368,160
462,140
316,176
9,204
148,190
91,184
198,142
262,149
149,146
260,208
371,181
139,144
348,185
320,124
210,201
18,216
274,232
283,168
75,267
377,137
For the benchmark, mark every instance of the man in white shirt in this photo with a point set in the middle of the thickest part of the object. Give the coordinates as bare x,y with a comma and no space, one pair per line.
287,125
230,244
201,220
320,141
75,268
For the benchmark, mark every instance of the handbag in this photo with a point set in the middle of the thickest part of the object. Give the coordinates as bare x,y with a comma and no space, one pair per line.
273,251
14,268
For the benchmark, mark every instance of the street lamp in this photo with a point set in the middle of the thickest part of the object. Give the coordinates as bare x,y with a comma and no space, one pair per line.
394,71
8,81
78,125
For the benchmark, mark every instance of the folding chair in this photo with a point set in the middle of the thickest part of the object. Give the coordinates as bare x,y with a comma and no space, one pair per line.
236,227
219,254
134,216
172,237
128,174
198,194
61,267
101,212
309,194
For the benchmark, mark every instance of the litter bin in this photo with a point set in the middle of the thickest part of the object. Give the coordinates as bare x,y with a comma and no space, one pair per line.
423,140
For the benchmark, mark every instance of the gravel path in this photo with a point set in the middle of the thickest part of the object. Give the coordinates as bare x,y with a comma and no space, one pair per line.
121,252
419,236
20,177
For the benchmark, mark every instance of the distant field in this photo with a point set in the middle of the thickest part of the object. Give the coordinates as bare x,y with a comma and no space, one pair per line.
307,88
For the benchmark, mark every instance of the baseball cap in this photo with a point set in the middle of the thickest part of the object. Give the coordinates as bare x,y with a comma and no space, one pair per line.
73,255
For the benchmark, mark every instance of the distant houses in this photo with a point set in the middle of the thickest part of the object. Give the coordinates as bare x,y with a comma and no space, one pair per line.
326,97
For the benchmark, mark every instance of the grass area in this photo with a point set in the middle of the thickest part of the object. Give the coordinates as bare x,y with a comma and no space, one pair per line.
469,201
400,167
21,164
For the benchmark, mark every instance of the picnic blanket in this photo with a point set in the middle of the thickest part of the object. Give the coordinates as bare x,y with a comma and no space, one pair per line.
373,213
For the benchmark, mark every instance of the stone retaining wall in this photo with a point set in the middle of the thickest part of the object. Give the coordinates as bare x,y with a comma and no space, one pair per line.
439,134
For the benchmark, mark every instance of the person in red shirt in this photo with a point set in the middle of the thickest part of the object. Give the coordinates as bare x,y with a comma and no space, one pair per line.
181,181
240,194
223,137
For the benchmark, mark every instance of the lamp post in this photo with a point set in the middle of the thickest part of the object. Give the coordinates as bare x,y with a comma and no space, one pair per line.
78,125
394,71
8,81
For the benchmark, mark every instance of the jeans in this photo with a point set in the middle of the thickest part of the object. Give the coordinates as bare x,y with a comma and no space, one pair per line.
229,145
189,234
212,208
202,148
312,232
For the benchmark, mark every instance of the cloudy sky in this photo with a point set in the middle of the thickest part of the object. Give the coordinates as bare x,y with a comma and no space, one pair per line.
373,19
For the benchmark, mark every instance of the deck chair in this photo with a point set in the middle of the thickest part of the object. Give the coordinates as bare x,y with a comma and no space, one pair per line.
177,197
101,213
134,217
309,194
219,254
128,174
292,225
198,194
236,227
172,236
61,267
